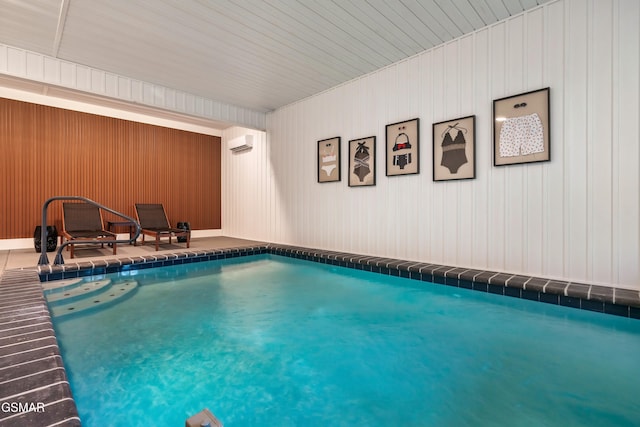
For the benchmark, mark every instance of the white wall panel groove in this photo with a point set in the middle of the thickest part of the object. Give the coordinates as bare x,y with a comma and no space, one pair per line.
575,218
36,67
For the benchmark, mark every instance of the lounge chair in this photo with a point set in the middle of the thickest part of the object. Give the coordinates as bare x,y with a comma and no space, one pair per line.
154,222
83,221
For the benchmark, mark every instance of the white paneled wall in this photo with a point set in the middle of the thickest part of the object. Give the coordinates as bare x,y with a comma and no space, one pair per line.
256,192
20,63
576,217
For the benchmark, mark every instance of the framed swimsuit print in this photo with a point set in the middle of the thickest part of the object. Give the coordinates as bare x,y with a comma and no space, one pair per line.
329,160
521,128
402,148
362,162
454,149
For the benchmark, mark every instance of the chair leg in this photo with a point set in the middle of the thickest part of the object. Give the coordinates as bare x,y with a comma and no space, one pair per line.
70,247
188,239
157,241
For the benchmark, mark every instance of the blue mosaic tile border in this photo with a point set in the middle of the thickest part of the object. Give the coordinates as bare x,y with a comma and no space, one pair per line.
83,269
603,299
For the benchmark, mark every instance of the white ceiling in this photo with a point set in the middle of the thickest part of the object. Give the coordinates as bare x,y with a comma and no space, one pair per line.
255,54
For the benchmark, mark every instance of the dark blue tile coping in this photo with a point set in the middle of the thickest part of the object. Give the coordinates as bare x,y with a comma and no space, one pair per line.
625,297
555,287
469,275
500,279
480,286
516,281
570,302
530,295
616,310
495,289
578,290
513,292
467,284
549,298
535,284
604,299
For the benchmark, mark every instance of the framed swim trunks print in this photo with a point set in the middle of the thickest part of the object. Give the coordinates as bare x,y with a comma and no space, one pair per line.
329,160
402,148
362,162
521,128
454,149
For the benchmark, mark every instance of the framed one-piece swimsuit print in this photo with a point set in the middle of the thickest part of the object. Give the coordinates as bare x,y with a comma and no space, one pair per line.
403,148
454,149
521,128
329,160
362,162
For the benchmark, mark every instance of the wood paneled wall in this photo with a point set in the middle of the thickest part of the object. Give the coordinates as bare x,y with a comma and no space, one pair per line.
46,152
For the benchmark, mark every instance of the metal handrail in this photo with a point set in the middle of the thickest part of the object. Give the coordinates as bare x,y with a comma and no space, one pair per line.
44,260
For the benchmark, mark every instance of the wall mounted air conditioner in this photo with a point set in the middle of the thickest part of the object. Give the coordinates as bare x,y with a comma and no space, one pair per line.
244,142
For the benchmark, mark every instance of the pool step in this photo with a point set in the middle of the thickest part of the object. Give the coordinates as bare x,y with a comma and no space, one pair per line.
56,286
108,294
83,290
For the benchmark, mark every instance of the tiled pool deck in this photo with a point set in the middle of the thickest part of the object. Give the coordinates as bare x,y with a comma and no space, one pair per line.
31,369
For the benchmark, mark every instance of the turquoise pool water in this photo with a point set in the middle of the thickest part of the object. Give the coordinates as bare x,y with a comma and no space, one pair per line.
271,341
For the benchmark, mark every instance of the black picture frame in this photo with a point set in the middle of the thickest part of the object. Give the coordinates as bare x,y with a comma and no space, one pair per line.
454,149
329,160
362,162
521,128
403,148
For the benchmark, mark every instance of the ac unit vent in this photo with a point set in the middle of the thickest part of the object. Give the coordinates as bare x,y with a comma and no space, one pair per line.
241,143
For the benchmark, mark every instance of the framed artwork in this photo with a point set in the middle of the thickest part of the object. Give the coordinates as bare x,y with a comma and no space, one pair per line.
454,149
402,148
329,160
362,162
521,128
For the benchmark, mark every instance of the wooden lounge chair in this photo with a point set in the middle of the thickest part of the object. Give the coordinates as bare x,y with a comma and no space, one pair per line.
83,221
154,222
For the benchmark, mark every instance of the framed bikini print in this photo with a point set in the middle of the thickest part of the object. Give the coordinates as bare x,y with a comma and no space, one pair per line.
402,148
362,162
521,128
329,160
454,149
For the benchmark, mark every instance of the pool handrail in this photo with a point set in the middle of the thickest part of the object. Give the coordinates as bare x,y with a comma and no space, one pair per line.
44,260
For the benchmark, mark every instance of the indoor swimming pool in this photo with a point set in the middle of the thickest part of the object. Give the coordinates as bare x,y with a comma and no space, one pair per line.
269,340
